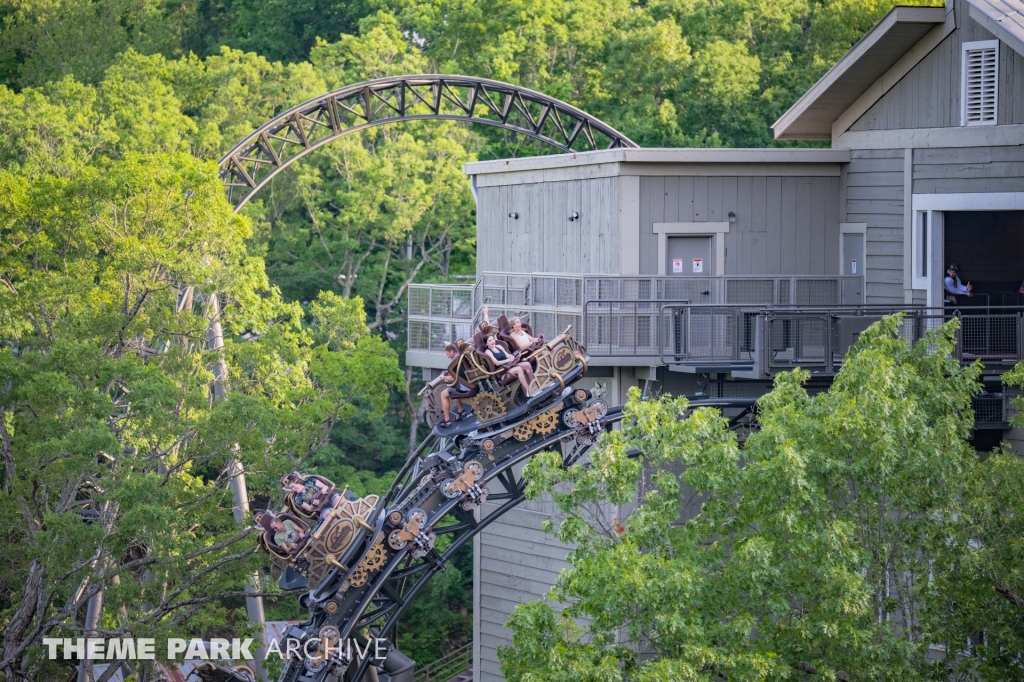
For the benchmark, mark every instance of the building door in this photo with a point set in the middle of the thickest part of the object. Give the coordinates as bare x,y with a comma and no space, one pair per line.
689,256
853,254
853,266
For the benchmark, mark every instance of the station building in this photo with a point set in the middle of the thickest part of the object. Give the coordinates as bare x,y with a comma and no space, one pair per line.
703,272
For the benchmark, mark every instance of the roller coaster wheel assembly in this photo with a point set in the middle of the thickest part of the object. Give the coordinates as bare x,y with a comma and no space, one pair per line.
451,489
569,418
396,541
487,407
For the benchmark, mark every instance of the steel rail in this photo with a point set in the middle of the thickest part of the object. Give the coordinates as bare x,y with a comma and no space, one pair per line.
292,134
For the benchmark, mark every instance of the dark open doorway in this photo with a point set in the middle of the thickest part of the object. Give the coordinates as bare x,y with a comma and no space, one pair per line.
989,247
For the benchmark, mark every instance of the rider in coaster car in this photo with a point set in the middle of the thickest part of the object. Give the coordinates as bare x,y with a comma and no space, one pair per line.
522,338
310,494
283,533
511,362
484,330
456,385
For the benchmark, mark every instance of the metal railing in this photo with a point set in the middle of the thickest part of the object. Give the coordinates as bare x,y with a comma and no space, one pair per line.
563,292
621,328
618,315
447,667
991,411
440,313
773,339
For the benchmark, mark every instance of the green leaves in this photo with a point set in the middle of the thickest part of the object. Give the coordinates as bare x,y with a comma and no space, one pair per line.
855,529
115,453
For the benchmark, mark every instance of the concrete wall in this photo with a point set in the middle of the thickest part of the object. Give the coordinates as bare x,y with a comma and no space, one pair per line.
929,95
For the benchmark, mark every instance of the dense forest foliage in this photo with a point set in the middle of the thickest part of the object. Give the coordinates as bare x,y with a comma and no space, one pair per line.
856,536
95,90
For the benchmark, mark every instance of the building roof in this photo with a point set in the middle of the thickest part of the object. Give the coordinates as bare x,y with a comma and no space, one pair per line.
1003,18
644,156
867,62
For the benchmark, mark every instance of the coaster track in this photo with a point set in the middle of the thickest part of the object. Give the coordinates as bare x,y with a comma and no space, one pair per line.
294,133
371,561
440,491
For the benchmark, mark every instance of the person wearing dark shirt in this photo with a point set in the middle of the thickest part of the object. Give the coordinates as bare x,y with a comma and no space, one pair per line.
520,370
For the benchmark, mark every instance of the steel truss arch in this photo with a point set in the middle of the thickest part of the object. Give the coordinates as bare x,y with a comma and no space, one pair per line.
289,136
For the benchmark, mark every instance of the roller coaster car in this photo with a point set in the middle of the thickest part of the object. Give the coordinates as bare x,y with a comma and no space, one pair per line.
323,502
497,389
328,545
552,361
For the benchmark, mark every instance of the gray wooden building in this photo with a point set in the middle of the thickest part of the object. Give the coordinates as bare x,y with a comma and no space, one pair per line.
705,271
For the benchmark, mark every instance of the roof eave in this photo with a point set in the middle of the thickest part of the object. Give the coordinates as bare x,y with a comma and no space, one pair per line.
789,127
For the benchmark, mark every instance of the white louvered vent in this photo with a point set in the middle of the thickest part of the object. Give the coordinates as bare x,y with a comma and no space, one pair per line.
979,99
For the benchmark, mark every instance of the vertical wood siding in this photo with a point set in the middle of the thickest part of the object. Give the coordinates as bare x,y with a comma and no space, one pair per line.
971,169
543,239
518,563
929,96
784,225
874,195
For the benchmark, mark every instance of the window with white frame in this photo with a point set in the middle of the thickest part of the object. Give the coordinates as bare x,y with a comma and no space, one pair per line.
921,244
979,83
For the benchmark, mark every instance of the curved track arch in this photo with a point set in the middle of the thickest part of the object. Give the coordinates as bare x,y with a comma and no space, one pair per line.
294,133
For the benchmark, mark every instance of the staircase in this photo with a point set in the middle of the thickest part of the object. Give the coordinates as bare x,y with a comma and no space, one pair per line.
453,667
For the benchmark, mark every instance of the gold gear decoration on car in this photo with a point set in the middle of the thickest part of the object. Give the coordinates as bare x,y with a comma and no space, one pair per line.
545,422
523,431
488,407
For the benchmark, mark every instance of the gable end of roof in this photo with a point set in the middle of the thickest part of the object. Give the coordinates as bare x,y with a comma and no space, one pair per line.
1002,18
895,44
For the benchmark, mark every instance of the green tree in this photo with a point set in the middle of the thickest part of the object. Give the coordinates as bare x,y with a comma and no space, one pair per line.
981,574
833,546
44,41
371,213
115,454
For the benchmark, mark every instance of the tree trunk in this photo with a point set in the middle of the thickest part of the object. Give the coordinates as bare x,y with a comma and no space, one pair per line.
19,623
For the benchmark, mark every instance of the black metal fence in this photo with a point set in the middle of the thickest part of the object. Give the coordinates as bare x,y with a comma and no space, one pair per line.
778,338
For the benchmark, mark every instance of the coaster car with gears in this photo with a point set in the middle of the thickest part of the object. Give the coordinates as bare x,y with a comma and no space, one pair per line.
367,559
327,546
497,397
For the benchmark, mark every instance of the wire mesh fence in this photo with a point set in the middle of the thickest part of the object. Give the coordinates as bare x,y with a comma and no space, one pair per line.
439,313
990,409
622,328
781,322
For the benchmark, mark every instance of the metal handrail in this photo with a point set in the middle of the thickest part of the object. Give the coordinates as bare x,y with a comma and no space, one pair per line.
764,339
446,667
